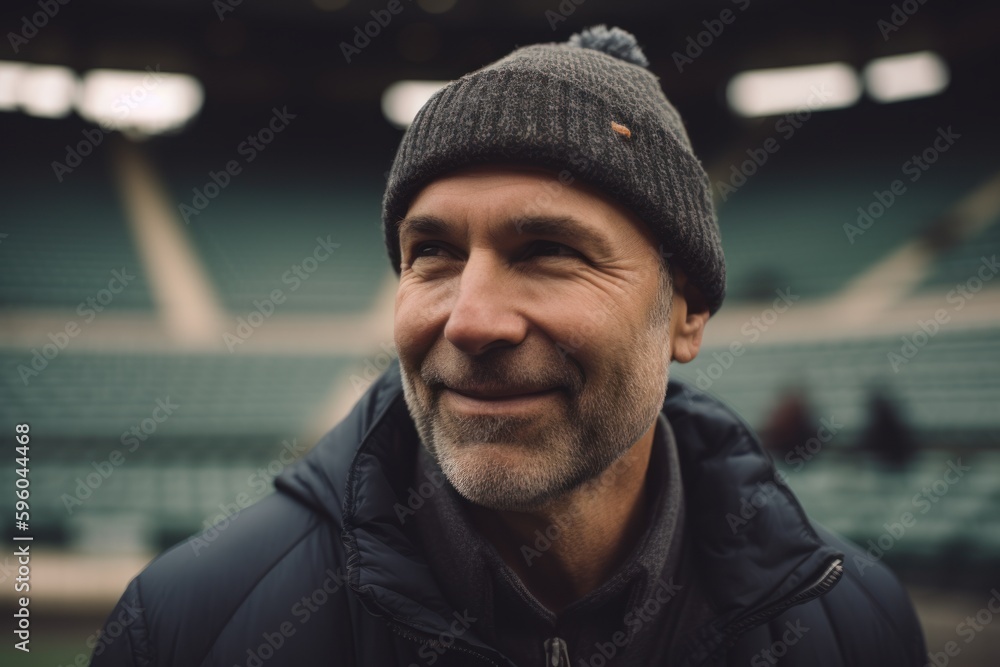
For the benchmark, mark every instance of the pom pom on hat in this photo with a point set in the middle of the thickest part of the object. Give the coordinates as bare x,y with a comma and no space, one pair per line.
615,42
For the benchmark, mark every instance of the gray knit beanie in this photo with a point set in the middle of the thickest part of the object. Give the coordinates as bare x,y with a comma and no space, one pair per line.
588,106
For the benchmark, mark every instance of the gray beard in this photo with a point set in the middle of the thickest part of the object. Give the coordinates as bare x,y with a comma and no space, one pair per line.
517,463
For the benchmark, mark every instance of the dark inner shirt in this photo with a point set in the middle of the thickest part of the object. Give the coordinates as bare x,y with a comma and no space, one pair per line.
639,616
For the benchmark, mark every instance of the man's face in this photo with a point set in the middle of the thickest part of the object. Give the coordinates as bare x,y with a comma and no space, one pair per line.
531,323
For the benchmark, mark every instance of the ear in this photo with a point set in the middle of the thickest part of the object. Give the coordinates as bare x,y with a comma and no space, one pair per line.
688,319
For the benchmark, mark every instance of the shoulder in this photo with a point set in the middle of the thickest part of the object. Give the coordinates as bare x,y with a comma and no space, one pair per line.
871,600
866,619
227,587
262,574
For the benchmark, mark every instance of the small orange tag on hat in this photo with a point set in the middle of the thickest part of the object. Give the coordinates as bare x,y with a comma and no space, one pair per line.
621,129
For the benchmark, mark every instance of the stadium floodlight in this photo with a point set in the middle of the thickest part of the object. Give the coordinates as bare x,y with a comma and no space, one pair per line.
10,77
767,92
402,100
145,102
906,76
46,91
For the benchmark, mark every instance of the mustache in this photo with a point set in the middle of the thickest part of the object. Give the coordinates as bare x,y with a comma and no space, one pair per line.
503,370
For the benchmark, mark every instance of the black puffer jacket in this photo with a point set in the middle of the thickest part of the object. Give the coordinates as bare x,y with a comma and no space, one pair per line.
324,573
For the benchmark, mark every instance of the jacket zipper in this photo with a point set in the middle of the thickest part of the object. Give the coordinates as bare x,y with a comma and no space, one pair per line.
426,640
556,653
821,585
824,583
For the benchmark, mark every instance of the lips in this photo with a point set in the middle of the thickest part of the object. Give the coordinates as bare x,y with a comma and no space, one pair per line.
493,394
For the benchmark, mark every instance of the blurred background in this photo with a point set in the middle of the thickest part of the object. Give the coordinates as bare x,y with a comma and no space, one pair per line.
193,286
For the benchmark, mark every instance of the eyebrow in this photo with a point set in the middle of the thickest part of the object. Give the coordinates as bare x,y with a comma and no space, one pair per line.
564,228
425,225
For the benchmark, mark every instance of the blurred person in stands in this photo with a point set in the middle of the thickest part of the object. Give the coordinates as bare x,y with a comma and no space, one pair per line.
887,434
523,487
790,425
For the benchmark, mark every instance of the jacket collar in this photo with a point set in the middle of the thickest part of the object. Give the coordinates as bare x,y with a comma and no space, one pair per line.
475,577
752,537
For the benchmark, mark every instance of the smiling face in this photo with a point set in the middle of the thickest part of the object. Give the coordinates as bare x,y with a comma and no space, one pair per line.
531,323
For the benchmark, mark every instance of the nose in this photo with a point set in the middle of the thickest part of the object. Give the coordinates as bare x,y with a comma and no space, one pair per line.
487,311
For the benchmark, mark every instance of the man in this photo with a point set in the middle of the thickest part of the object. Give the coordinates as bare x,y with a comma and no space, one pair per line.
523,487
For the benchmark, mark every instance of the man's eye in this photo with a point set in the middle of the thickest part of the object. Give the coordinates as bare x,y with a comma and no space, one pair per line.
427,250
535,249
551,248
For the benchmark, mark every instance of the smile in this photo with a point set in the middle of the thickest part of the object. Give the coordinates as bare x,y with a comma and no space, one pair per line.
482,403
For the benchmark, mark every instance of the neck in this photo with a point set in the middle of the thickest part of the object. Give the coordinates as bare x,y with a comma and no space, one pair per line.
573,544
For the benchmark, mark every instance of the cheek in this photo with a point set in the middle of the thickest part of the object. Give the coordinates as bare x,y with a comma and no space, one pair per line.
587,327
418,321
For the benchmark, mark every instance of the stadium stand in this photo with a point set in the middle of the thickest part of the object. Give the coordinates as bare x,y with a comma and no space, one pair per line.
948,391
61,249
957,264
191,432
269,222
802,210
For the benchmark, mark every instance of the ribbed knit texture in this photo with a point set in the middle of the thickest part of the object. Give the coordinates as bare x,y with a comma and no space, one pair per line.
553,105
